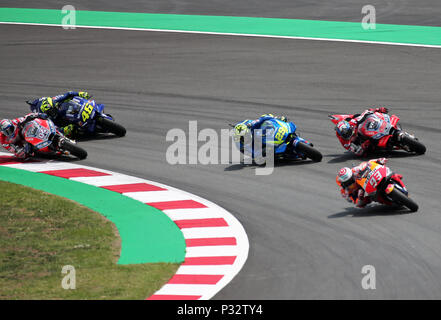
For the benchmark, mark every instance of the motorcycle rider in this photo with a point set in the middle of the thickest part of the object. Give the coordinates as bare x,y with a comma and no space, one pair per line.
250,125
11,138
244,133
59,112
349,188
347,131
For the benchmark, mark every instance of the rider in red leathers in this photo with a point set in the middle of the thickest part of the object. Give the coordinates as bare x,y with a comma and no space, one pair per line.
11,138
349,189
347,132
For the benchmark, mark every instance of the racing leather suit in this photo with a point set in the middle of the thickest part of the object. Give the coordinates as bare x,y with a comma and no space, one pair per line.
253,125
357,144
256,124
16,144
65,118
355,193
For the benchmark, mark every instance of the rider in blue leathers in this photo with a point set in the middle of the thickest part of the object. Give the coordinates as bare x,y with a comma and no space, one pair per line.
59,111
247,127
255,124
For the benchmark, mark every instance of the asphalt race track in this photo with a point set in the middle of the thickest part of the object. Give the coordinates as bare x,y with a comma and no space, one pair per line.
306,242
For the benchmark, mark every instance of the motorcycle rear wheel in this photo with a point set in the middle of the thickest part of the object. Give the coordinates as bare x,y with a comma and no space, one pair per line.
404,200
112,127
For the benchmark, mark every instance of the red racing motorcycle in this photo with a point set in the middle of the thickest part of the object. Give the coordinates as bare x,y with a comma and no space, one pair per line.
46,139
384,132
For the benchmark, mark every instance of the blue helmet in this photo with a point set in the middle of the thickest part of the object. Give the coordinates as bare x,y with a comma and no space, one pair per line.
344,129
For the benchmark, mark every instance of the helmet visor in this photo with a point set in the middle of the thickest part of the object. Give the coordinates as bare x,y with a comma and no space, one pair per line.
345,133
348,183
8,129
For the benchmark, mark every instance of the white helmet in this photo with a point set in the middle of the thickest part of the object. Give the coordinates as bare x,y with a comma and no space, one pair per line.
345,177
7,127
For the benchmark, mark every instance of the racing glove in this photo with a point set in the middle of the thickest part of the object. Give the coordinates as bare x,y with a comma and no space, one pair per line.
84,94
20,153
382,161
24,152
362,201
357,149
345,195
69,130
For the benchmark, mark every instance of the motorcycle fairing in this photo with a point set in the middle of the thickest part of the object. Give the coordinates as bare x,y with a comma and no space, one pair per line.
280,133
372,176
375,126
38,133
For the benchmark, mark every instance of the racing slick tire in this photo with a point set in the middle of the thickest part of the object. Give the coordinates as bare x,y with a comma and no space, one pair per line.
413,144
74,150
112,127
404,200
309,152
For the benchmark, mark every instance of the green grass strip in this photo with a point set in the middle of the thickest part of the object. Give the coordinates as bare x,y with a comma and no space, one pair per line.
40,233
147,234
422,35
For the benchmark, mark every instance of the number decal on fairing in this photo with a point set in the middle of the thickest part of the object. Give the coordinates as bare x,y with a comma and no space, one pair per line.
42,133
280,133
375,179
86,112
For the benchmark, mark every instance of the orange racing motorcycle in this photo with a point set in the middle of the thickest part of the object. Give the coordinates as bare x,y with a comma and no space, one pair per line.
384,186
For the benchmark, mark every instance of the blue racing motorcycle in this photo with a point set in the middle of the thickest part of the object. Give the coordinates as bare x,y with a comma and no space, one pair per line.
281,135
88,117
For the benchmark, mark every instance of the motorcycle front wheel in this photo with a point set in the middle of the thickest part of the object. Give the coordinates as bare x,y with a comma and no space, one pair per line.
74,150
400,198
413,144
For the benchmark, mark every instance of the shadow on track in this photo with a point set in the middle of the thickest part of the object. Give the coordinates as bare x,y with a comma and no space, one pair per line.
96,137
61,158
350,156
278,163
371,211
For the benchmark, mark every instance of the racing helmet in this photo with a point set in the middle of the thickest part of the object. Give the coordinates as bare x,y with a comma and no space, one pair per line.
344,129
47,106
345,177
7,127
239,131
